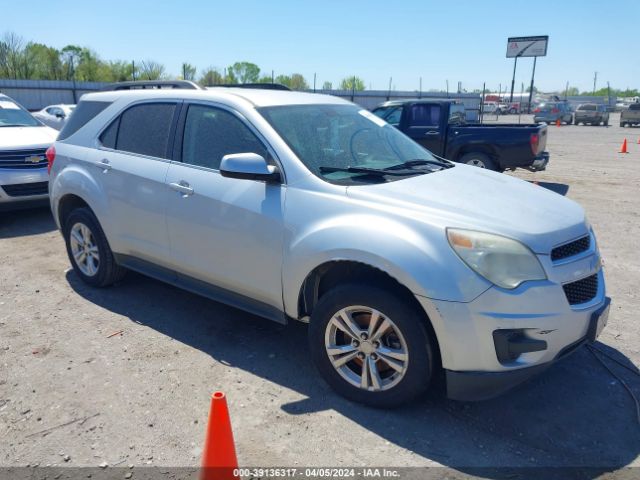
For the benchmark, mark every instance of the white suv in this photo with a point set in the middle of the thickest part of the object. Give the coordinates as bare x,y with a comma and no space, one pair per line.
23,165
296,206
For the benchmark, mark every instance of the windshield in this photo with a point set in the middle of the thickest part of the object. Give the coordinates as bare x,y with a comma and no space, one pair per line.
12,115
335,137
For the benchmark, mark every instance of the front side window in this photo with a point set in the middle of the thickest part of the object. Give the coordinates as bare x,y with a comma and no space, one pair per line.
333,140
211,133
144,129
391,115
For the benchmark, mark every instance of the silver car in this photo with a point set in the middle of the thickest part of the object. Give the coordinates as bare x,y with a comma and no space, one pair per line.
304,207
55,116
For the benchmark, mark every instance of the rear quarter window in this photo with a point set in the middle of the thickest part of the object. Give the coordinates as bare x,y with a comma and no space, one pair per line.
83,114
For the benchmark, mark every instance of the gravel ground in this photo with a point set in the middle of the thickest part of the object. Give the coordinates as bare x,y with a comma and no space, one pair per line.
74,394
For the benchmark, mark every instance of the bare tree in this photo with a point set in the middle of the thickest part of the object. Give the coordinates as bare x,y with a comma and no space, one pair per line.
151,70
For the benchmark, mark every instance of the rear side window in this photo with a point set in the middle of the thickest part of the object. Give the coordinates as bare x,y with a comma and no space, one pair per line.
424,115
143,129
634,106
84,113
587,107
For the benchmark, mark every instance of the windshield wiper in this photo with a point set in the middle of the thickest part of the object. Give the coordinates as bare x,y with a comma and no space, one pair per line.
416,163
370,171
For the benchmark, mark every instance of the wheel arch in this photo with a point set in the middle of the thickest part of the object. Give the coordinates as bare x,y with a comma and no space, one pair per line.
332,273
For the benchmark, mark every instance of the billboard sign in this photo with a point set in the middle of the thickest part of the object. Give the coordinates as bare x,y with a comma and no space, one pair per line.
527,46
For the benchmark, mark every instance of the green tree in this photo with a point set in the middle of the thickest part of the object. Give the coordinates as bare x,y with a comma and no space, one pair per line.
265,79
352,83
45,62
119,71
327,85
188,71
298,82
572,91
211,76
244,72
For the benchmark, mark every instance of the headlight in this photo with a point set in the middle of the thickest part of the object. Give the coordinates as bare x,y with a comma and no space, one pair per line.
503,261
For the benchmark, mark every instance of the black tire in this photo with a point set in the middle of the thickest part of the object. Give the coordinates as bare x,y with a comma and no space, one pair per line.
108,271
478,159
606,123
407,319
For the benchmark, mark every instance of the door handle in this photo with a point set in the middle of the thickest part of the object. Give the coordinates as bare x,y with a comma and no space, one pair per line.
103,164
432,132
182,187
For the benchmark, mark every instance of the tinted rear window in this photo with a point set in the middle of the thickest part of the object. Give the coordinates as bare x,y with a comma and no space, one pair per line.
634,106
85,112
587,107
144,129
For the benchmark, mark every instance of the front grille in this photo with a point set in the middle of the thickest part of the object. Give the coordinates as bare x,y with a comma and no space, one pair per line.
570,249
23,159
581,291
26,189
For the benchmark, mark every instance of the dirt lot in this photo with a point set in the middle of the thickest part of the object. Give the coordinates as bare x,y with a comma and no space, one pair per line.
69,388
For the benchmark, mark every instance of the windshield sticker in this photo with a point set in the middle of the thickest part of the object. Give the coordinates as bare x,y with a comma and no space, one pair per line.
375,119
8,105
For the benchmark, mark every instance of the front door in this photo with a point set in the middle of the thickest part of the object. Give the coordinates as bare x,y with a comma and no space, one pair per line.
423,126
224,232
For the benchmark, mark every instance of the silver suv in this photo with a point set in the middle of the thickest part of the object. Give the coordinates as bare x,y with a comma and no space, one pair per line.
297,206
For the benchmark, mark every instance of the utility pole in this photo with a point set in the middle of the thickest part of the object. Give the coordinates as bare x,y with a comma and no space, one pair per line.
420,89
595,79
513,78
314,83
273,78
447,88
389,93
533,74
133,70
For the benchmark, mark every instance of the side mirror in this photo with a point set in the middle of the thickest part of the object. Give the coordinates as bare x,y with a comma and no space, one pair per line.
60,115
248,166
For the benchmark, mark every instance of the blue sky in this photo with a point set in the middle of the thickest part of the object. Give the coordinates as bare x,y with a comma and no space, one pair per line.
460,40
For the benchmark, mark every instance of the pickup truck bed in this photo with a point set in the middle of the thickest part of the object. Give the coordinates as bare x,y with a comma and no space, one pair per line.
440,127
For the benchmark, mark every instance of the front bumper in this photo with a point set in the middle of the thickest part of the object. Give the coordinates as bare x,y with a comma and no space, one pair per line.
475,386
538,310
17,187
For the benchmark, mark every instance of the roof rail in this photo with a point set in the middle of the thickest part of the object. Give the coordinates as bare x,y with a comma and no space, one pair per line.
262,86
150,84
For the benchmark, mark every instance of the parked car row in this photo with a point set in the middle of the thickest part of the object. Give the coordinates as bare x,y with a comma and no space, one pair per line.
587,114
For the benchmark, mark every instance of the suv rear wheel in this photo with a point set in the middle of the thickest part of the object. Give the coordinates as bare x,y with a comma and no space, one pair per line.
88,249
371,346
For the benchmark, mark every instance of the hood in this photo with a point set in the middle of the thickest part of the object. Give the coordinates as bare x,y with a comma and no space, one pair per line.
477,199
15,138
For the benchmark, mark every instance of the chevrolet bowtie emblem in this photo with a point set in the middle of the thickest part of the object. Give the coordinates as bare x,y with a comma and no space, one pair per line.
34,159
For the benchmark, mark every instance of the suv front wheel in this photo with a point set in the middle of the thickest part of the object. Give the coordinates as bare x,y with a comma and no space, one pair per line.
88,249
371,345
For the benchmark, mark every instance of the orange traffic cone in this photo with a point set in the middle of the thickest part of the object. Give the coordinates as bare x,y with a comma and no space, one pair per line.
623,148
219,461
557,122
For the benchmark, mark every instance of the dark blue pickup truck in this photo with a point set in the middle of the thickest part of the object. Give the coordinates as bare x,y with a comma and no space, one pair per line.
440,127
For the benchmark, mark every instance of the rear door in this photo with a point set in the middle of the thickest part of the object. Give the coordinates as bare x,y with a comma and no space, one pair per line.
131,164
422,122
224,232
